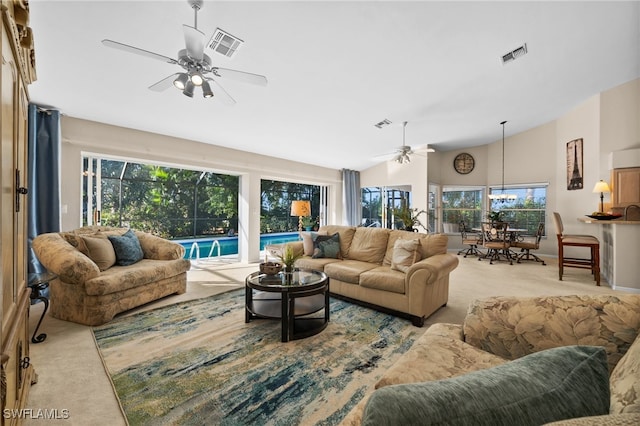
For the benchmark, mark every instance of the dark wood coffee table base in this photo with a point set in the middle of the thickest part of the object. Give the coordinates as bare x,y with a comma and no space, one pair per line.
297,306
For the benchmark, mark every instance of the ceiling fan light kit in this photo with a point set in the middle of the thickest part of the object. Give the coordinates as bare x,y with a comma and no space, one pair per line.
195,62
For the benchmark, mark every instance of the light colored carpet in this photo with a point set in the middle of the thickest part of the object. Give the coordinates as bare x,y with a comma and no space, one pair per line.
72,377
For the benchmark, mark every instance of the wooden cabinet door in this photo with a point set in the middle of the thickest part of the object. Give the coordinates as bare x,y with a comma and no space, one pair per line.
625,186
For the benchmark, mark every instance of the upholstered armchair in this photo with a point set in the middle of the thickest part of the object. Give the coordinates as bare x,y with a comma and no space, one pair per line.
103,271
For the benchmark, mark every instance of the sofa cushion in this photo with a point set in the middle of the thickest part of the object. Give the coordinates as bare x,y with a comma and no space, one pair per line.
348,271
369,245
556,384
120,278
438,354
307,241
405,254
127,248
625,382
516,326
326,246
433,244
314,264
98,248
384,278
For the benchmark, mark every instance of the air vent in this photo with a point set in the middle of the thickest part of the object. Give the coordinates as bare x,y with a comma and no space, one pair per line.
224,43
383,123
514,54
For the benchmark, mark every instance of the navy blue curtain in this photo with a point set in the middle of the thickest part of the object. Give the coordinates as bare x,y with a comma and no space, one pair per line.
351,197
44,177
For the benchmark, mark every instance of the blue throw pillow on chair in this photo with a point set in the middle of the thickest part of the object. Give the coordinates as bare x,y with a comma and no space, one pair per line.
127,248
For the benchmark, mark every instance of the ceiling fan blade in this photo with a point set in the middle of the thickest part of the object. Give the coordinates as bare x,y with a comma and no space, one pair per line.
138,51
194,40
224,96
164,84
246,77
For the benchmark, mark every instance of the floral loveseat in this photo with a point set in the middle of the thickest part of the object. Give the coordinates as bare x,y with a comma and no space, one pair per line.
475,360
404,272
102,271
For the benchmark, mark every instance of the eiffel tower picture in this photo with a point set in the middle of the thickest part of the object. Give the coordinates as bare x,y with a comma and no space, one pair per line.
574,165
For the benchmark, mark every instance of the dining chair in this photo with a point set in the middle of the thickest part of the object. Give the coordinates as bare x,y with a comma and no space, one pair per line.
575,240
496,239
528,243
471,239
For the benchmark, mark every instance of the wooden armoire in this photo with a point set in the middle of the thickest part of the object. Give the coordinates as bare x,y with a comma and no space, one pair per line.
18,70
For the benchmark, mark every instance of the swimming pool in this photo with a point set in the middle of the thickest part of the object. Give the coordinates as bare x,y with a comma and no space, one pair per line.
206,247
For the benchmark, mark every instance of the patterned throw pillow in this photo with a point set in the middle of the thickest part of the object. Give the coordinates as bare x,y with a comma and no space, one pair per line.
546,386
405,254
326,246
127,248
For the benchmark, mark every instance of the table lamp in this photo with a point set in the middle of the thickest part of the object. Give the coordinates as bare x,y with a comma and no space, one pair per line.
601,187
300,208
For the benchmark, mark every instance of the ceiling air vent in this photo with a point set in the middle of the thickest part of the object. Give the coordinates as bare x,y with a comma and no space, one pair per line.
383,123
224,43
514,54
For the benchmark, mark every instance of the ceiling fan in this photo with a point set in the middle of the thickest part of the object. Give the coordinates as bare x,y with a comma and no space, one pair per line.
402,153
197,67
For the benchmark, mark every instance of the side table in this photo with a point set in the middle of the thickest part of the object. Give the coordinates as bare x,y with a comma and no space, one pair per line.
38,283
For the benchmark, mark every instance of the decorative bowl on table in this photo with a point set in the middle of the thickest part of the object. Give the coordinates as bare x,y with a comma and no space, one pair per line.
604,216
270,268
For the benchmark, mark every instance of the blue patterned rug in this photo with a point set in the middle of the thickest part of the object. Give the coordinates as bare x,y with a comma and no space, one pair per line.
198,363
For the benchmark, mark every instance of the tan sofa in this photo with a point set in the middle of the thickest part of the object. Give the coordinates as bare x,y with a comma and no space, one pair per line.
364,270
89,291
499,329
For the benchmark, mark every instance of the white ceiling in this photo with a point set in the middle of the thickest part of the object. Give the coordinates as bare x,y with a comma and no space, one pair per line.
336,68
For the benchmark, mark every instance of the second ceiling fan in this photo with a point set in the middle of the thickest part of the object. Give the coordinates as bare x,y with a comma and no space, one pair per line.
197,68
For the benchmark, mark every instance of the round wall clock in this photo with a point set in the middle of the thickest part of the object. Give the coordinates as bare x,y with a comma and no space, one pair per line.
464,163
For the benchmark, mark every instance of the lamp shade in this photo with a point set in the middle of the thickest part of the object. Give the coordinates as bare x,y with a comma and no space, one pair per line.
301,208
601,186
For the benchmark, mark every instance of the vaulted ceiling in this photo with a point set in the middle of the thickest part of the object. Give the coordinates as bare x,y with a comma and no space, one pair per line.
336,68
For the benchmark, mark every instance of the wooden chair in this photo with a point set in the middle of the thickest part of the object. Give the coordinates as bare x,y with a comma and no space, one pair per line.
497,241
568,240
528,244
470,239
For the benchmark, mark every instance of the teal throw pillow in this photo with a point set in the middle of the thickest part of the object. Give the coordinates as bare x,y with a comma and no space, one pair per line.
326,246
546,386
127,248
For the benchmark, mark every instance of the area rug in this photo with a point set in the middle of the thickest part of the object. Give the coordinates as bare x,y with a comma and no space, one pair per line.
197,362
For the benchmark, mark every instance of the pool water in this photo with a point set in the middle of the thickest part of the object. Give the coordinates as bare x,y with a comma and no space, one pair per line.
229,245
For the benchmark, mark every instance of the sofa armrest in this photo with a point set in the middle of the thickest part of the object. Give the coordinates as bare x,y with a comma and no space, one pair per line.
61,258
432,268
512,327
157,248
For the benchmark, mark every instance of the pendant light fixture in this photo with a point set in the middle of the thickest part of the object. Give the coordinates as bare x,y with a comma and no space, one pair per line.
502,196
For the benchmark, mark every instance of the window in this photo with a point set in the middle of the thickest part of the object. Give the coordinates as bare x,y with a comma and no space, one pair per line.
275,212
461,204
166,201
378,204
527,210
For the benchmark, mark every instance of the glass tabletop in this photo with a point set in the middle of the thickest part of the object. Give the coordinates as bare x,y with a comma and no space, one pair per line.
297,278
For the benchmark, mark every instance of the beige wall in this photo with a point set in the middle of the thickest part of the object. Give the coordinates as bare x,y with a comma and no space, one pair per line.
87,137
606,122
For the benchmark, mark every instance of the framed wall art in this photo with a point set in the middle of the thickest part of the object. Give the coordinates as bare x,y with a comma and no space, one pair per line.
575,171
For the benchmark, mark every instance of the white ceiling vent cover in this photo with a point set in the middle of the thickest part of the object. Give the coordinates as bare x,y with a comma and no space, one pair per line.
514,54
224,43
383,123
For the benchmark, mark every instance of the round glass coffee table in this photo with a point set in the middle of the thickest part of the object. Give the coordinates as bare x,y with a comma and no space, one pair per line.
299,299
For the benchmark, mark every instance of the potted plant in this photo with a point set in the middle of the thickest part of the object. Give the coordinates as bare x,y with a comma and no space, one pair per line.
495,217
308,223
409,218
288,257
